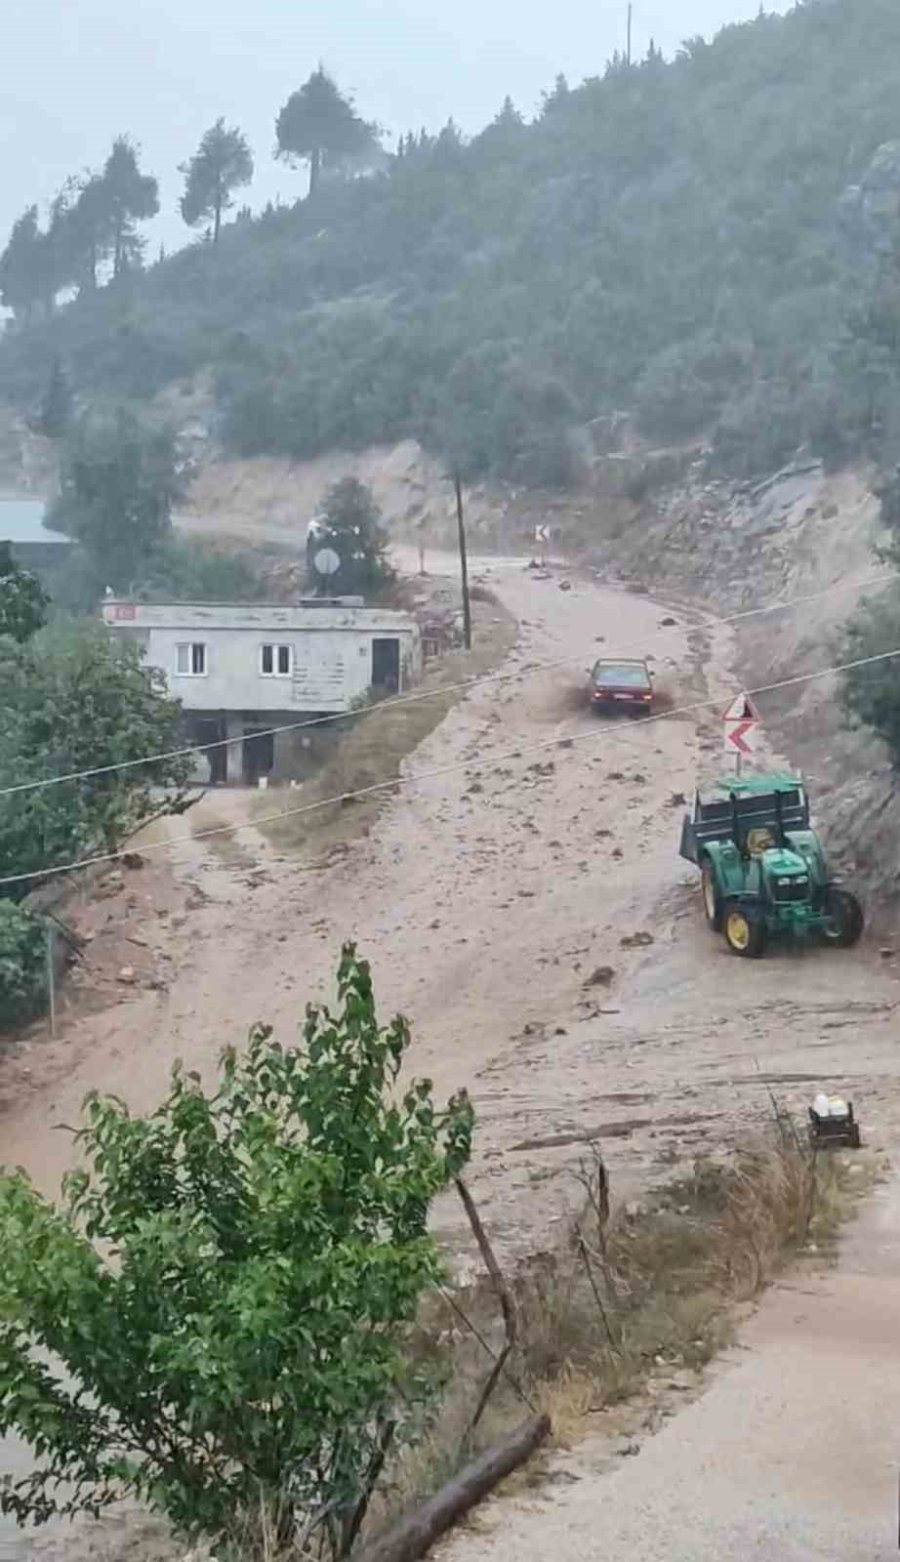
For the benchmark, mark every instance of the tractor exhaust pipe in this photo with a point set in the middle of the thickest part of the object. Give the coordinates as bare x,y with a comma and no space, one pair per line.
779,819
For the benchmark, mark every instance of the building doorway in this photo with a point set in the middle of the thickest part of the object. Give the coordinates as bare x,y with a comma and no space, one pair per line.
386,665
258,754
210,730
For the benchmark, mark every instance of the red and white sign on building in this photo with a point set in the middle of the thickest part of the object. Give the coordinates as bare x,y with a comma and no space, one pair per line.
742,726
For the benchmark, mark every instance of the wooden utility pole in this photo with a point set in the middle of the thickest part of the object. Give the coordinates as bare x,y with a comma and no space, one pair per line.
463,564
630,19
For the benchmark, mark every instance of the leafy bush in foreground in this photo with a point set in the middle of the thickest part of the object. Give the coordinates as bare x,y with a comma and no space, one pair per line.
234,1352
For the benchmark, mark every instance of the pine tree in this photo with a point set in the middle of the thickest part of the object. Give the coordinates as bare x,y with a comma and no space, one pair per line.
320,127
222,163
56,406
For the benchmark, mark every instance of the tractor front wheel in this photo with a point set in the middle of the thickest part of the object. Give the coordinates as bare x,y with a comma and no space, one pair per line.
846,920
745,932
712,901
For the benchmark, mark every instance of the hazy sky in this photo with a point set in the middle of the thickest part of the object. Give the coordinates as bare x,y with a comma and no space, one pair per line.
75,73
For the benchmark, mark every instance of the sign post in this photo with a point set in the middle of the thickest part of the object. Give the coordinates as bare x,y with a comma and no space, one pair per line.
742,724
542,538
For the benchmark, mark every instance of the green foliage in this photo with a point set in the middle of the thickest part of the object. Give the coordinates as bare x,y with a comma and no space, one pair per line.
23,600
23,971
707,243
73,699
186,570
24,268
119,484
871,695
222,163
235,1350
350,525
318,126
130,197
56,406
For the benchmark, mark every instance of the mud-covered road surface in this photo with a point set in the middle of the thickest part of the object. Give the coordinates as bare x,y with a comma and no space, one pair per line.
527,909
530,914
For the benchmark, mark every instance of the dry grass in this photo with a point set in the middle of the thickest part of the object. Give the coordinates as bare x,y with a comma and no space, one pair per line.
628,1299
372,747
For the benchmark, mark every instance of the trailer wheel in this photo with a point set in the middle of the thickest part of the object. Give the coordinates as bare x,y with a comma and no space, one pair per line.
745,931
712,900
846,922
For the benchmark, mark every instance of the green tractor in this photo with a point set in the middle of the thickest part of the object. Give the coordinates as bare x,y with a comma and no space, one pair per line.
764,869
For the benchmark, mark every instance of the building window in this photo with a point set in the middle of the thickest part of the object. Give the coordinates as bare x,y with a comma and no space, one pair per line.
275,661
190,660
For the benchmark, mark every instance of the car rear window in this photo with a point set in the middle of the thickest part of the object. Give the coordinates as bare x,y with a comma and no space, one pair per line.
628,675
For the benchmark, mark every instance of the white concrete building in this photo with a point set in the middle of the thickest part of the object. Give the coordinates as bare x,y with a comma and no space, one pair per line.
241,670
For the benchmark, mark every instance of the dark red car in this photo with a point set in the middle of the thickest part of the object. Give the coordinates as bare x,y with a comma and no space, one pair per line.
618,683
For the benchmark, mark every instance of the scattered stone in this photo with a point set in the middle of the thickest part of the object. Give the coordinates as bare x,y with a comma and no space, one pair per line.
565,585
638,779
618,853
615,775
668,623
127,976
887,954
567,743
637,941
133,860
678,800
603,976
560,1031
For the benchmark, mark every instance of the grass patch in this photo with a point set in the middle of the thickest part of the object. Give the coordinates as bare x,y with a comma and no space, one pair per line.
371,748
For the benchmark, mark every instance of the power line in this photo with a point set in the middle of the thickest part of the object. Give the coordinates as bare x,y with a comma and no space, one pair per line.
477,681
444,770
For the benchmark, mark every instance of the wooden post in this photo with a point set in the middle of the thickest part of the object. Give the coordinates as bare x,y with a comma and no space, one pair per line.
51,978
463,564
414,1534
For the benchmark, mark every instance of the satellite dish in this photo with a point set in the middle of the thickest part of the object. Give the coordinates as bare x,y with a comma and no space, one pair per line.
326,562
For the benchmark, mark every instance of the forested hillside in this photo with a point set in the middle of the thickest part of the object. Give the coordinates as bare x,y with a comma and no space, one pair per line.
708,243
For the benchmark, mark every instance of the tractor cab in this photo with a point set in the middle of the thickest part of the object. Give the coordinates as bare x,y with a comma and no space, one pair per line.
763,867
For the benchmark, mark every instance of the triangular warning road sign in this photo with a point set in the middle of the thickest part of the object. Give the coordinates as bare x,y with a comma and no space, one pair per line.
742,709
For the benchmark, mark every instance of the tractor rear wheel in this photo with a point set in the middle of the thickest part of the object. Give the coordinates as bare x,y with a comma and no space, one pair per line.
745,931
846,919
712,900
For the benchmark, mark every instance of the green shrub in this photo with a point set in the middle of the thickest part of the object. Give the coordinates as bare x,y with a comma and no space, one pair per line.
216,1319
23,972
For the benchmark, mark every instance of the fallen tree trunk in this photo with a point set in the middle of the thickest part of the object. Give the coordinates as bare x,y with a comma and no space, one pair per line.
414,1534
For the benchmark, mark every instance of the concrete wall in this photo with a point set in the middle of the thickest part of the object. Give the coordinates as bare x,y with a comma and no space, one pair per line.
329,668
331,661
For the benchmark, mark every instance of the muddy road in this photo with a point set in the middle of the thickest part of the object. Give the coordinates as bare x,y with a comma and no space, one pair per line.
529,913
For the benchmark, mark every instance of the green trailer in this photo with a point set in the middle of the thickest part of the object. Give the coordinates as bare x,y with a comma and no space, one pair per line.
764,870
